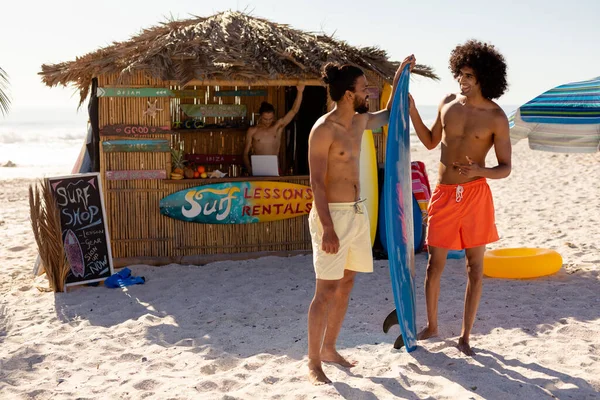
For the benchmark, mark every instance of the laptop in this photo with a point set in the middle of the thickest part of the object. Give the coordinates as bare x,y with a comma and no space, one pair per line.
264,165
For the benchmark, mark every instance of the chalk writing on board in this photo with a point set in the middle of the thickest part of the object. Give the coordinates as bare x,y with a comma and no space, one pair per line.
82,217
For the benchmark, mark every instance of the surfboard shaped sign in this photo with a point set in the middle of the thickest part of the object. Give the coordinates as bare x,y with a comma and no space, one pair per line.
238,202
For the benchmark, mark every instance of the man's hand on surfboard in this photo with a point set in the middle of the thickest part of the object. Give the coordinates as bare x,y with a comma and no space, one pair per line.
330,243
411,102
408,60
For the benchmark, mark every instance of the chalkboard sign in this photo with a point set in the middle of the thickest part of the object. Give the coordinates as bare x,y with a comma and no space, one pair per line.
83,223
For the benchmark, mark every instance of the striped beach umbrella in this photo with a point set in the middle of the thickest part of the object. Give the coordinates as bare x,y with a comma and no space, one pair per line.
565,119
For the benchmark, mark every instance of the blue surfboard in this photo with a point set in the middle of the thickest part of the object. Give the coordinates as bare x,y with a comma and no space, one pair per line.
418,228
398,206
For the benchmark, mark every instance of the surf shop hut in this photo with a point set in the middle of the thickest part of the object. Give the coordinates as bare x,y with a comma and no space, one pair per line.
169,112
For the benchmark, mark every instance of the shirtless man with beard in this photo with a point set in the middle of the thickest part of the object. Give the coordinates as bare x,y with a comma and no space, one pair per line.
338,221
461,209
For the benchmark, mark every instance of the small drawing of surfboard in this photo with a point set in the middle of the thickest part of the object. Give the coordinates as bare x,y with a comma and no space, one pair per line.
74,254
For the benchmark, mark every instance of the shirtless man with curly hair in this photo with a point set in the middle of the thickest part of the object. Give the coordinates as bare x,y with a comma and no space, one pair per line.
461,210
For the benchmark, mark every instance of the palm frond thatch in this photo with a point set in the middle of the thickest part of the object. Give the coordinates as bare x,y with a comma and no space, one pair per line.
45,222
4,97
229,46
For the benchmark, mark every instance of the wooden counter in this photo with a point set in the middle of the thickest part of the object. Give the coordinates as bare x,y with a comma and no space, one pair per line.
208,181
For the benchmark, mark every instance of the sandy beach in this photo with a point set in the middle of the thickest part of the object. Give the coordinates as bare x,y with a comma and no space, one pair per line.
237,330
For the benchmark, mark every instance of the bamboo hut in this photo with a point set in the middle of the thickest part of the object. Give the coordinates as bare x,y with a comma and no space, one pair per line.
195,86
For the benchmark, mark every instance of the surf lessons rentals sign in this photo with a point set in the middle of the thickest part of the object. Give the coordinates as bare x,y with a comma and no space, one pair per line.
84,233
238,202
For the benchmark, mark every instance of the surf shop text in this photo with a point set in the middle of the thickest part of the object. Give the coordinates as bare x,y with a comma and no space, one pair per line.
271,201
79,212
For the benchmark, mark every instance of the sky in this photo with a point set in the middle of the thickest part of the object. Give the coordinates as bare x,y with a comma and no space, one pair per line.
545,42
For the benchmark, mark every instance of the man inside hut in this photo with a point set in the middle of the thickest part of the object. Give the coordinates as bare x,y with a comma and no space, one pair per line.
264,139
338,221
461,210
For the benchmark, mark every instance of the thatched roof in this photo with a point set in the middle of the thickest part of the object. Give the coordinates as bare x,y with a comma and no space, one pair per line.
225,47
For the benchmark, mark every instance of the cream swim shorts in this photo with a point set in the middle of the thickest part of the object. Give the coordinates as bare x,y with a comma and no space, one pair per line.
351,224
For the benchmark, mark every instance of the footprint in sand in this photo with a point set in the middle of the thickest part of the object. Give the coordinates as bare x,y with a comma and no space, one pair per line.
229,385
17,248
252,367
146,384
271,380
206,386
208,369
160,366
129,357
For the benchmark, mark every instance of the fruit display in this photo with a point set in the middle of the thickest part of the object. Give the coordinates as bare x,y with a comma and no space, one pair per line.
177,163
188,173
182,170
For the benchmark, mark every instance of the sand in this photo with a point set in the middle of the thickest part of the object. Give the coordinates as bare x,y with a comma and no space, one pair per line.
237,330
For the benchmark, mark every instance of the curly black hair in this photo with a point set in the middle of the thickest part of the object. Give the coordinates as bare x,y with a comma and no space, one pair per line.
489,66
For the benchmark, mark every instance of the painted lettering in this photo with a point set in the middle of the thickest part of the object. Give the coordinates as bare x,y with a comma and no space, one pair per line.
194,198
79,217
195,207
209,211
62,192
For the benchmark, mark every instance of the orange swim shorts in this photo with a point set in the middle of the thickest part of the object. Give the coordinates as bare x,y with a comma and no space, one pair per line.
461,216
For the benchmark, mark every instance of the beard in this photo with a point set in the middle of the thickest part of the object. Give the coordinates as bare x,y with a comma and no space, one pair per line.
361,107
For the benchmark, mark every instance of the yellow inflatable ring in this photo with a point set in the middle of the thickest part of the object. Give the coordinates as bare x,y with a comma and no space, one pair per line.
521,263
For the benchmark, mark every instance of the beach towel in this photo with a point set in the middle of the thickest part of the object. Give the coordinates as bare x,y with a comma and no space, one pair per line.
123,278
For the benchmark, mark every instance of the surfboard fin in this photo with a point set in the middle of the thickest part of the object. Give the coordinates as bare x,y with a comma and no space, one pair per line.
390,320
399,342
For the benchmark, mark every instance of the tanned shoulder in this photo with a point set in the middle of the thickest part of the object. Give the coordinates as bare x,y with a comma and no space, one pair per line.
448,99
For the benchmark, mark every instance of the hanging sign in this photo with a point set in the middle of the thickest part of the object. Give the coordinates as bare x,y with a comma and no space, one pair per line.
133,92
214,158
133,130
214,110
136,146
164,92
136,175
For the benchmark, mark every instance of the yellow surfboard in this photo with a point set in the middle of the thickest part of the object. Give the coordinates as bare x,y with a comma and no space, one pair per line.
383,99
369,187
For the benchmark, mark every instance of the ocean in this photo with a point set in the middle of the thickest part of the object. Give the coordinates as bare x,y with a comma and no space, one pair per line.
47,139
42,138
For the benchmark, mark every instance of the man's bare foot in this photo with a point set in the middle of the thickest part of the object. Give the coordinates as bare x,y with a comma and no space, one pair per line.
316,376
464,347
334,357
427,333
